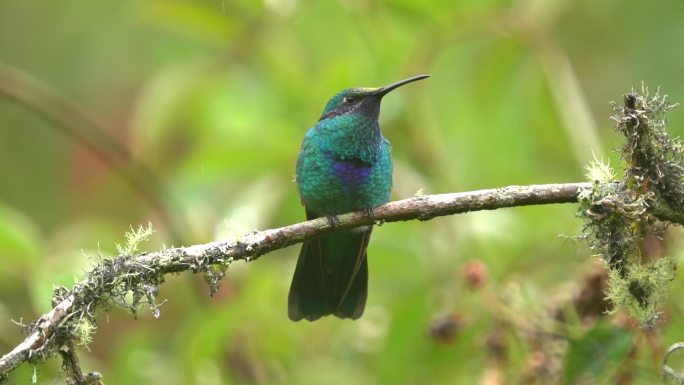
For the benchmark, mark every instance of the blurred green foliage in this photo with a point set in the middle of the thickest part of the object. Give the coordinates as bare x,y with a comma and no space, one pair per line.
601,349
214,96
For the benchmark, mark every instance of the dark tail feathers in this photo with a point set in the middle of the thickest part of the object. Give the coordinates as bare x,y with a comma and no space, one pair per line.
331,277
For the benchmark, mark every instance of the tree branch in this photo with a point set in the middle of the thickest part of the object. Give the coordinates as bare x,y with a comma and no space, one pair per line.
143,272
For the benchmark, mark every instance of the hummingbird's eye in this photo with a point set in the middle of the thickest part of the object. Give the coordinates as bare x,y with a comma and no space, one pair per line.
349,99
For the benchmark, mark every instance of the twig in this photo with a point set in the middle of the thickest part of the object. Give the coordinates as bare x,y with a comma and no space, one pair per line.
44,329
249,247
72,368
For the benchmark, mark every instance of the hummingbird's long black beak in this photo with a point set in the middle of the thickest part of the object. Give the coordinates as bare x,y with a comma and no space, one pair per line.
386,89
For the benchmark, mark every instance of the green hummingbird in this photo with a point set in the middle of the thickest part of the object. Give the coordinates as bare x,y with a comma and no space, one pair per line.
345,164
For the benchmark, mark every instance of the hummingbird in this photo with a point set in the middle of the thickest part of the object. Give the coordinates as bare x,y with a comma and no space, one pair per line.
344,164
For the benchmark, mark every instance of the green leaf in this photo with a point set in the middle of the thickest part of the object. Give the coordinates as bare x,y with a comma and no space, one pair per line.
597,352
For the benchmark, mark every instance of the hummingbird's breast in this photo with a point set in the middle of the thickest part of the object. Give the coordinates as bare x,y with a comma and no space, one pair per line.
335,180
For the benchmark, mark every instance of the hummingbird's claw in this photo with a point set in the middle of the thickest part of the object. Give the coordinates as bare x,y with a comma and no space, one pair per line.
333,220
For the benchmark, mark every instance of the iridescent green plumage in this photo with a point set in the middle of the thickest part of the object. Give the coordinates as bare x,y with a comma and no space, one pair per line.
345,164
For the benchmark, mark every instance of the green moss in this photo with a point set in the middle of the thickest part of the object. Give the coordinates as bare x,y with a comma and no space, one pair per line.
134,238
83,330
618,214
641,289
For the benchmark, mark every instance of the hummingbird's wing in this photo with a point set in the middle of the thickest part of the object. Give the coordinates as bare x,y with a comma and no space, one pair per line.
331,276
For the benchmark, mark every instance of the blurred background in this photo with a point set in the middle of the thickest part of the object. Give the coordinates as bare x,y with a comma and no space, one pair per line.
189,114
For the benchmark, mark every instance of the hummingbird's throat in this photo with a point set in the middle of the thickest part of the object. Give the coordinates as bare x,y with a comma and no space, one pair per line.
351,137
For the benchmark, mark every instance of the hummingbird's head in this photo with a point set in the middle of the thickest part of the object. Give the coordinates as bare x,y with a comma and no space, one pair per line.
365,101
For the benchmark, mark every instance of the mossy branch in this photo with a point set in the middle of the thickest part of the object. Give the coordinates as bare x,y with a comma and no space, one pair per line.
115,279
618,214
140,274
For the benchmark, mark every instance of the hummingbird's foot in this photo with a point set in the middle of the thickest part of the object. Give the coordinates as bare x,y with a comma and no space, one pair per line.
333,220
368,212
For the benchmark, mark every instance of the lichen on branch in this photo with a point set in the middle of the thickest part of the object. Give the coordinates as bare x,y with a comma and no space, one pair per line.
655,161
620,214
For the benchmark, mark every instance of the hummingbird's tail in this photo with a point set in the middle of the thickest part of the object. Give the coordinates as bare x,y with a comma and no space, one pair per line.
331,277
